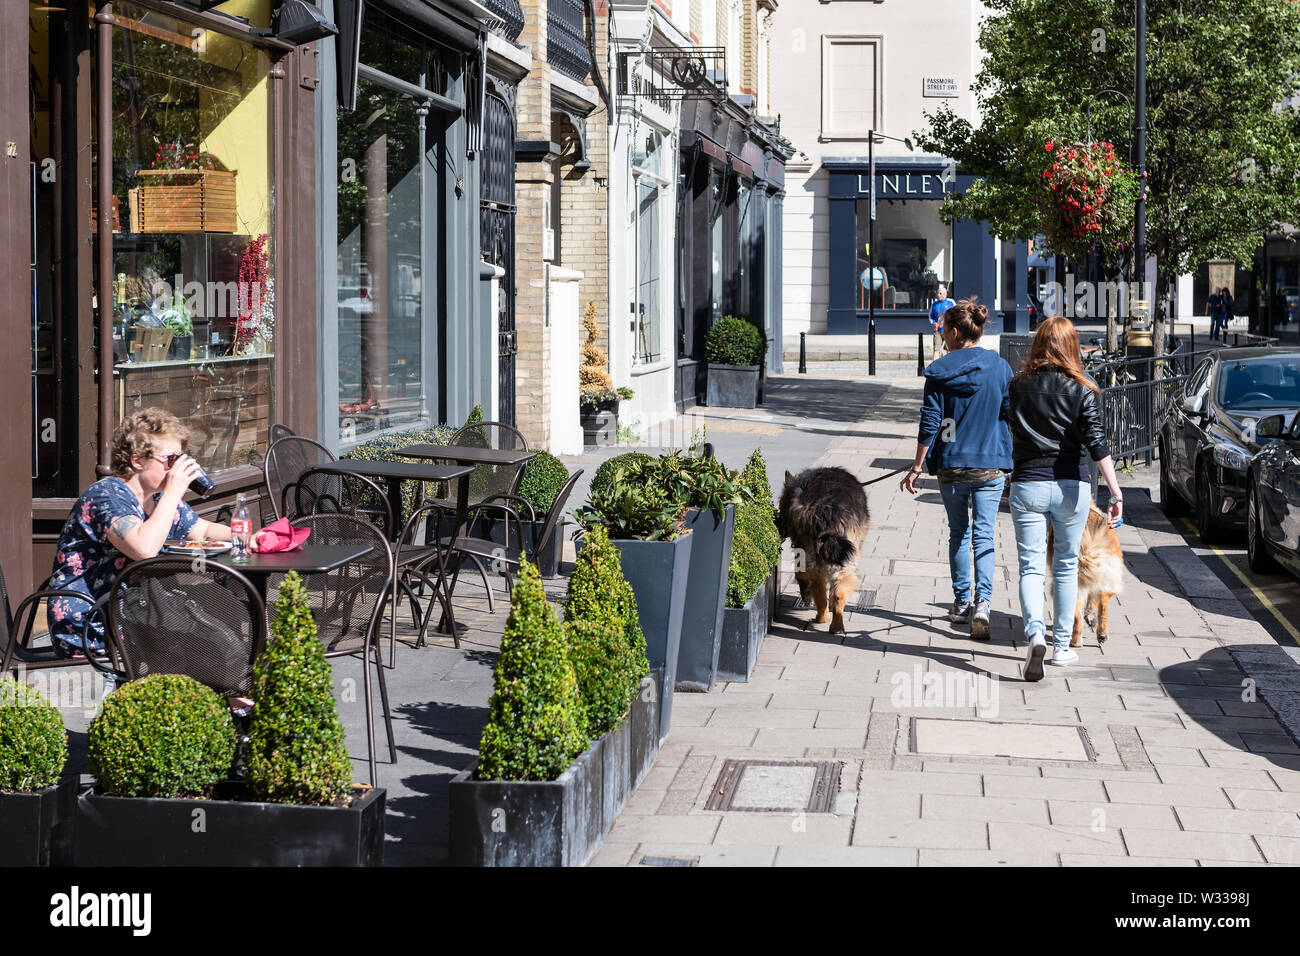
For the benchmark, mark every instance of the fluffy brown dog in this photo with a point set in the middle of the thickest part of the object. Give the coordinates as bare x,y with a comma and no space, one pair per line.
1101,575
824,514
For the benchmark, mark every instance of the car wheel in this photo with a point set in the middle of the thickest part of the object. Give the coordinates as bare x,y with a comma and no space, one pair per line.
1257,555
1171,502
1209,529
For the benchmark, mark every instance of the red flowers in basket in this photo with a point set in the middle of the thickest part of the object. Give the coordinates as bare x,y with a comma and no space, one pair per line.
1085,192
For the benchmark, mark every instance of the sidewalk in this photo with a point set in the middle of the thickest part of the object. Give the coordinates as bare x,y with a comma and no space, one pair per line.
1157,748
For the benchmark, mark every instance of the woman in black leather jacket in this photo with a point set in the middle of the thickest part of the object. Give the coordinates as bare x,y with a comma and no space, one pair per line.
1054,413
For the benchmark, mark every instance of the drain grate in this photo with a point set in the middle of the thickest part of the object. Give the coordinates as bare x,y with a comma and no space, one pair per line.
670,861
776,786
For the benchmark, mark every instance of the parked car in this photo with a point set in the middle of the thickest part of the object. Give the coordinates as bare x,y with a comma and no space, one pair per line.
1208,435
1273,496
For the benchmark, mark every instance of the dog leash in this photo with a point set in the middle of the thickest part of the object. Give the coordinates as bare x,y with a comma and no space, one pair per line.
888,474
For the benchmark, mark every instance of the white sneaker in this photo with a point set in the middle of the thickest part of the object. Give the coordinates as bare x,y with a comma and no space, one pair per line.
1065,657
979,622
1034,655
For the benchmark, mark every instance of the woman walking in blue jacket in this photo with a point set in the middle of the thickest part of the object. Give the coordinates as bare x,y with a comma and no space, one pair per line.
965,442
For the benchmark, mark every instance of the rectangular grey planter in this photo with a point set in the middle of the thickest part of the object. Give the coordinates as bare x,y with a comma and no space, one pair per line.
658,572
643,729
36,828
155,831
706,596
743,630
617,777
732,386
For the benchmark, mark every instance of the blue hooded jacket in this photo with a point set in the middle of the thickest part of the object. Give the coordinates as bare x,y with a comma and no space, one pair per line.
961,414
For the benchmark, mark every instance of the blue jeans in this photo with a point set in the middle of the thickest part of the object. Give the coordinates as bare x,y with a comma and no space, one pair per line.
960,498
1065,504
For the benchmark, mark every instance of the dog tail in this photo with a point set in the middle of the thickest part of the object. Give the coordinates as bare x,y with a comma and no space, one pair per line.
835,548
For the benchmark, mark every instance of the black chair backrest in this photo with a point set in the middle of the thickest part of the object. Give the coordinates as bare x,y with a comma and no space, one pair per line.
556,513
490,480
286,461
349,601
176,615
327,492
279,431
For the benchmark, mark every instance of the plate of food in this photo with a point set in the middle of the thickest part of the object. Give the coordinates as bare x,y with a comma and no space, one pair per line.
205,546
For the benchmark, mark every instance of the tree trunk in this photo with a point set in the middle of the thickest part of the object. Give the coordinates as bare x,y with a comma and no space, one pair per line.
1159,313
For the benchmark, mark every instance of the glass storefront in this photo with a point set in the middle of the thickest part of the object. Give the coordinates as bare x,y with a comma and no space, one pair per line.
193,289
913,253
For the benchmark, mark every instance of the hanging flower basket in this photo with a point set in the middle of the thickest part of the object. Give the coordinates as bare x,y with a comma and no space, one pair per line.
1087,196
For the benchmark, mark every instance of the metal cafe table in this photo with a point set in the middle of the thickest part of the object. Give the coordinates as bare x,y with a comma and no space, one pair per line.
395,472
309,559
467,455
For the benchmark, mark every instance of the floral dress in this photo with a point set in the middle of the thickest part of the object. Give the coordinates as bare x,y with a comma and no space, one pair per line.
86,562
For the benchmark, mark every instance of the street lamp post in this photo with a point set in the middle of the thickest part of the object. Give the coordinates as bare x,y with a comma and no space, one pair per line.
871,245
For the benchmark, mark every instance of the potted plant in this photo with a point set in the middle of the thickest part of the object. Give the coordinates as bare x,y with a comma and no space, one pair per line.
162,750
710,493
647,526
597,397
600,595
735,352
535,796
753,580
37,803
177,318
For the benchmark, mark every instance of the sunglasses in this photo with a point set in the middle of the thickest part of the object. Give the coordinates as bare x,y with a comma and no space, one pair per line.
171,459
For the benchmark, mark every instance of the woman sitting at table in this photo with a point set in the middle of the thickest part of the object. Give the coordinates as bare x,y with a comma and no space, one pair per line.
125,517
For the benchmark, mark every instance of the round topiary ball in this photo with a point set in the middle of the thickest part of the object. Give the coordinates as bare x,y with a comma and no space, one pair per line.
605,473
33,741
165,735
544,476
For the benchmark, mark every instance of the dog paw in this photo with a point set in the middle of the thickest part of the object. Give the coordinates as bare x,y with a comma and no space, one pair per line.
1090,618
1101,638
821,618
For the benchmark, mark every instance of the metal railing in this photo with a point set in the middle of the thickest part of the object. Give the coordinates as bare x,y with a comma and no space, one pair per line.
566,39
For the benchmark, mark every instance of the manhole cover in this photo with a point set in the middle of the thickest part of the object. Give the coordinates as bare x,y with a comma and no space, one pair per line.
936,735
776,786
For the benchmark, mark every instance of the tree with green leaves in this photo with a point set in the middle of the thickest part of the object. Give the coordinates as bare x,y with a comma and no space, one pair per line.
1221,156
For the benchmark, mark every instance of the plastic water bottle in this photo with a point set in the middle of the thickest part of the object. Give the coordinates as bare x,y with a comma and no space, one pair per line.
241,529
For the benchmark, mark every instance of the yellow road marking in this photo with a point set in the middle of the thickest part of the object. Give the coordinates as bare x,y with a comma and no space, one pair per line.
1259,595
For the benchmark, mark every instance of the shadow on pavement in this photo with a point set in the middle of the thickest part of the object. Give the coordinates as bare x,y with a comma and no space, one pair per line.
801,397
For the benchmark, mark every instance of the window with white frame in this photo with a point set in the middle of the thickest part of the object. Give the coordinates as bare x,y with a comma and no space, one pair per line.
850,86
650,161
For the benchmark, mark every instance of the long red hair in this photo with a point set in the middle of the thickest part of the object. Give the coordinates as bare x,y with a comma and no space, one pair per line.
1056,346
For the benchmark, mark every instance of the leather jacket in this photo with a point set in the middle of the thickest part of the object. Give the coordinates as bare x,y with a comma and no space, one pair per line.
1053,419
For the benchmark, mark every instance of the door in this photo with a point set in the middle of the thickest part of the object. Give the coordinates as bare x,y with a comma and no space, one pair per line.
1187,432
497,237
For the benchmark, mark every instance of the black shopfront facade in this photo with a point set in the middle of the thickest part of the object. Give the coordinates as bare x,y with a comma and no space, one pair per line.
730,191
915,252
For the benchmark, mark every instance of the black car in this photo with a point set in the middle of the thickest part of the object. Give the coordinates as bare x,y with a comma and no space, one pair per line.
1208,434
1273,509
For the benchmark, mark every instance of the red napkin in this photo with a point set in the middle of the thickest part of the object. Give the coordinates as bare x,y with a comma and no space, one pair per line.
278,536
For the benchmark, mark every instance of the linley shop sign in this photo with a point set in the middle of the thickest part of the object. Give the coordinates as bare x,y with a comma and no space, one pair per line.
902,185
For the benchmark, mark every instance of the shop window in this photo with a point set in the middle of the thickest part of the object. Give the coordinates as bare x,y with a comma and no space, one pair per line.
913,254
648,346
193,290
850,86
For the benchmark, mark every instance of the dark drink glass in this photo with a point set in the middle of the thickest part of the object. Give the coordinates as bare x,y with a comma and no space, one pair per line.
202,485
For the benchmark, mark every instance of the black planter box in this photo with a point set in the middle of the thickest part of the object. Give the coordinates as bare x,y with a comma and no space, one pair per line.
600,427
706,597
658,572
743,630
154,831
733,386
558,822
36,828
643,729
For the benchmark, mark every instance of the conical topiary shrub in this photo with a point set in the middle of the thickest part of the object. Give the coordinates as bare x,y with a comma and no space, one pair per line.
296,749
33,741
536,722
599,593
592,376
604,666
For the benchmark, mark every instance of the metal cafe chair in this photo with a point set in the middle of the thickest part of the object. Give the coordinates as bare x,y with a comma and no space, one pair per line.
286,461
348,604
17,625
487,480
422,564
172,615
320,492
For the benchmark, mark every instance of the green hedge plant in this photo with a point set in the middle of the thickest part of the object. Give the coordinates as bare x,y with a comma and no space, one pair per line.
605,670
599,593
544,476
33,741
165,735
296,749
734,340
389,448
536,722
749,569
605,473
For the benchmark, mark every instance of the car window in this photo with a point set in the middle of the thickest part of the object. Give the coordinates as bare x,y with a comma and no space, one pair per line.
1196,381
1266,382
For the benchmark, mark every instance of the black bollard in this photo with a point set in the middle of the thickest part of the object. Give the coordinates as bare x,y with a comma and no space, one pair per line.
920,353
803,353
871,347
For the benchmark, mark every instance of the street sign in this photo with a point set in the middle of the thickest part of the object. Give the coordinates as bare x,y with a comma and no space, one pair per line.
940,86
